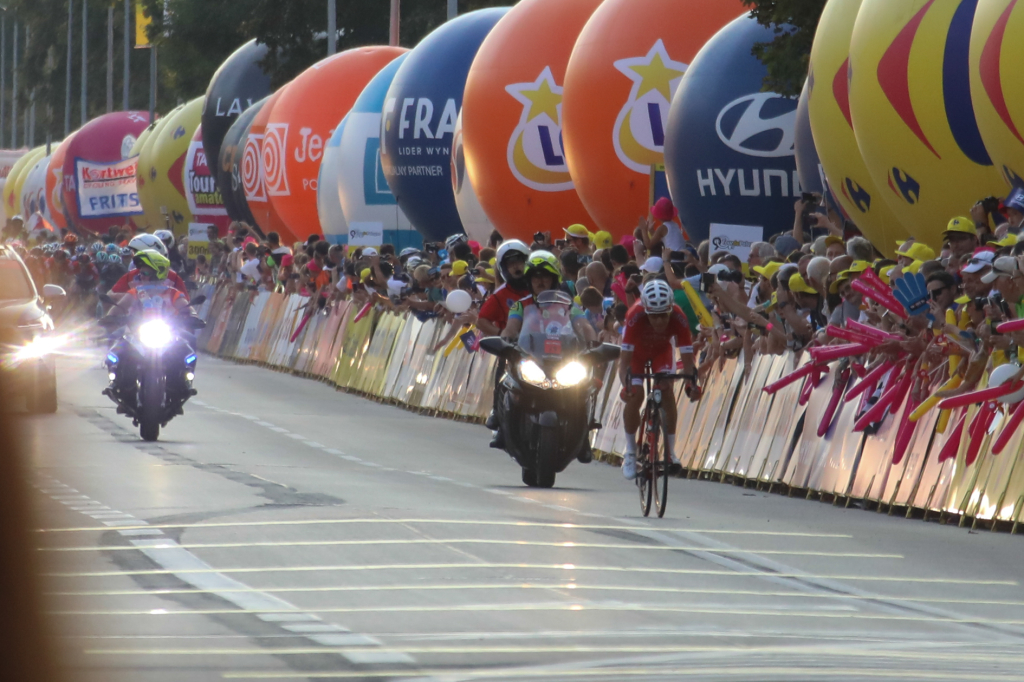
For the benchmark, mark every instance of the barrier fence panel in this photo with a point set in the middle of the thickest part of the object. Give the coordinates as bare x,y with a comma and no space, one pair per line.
714,461
746,426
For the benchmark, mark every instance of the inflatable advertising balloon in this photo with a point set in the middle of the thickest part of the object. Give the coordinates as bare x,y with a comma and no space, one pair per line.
12,188
55,183
254,174
910,98
362,189
143,149
623,73
229,177
140,144
236,85
33,197
302,121
333,225
474,219
828,107
729,146
419,121
996,56
204,198
512,124
163,163
808,166
100,189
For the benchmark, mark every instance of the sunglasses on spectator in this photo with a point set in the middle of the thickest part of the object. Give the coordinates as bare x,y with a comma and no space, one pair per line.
934,293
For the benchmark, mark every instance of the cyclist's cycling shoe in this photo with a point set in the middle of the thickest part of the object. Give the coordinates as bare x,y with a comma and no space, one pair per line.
629,467
586,456
498,440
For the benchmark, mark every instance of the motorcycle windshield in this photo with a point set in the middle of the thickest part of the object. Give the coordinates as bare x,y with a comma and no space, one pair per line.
153,301
547,327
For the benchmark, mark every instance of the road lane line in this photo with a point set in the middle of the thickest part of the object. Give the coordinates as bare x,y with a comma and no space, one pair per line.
555,567
489,541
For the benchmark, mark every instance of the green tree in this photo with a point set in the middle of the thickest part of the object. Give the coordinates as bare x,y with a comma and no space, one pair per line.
788,55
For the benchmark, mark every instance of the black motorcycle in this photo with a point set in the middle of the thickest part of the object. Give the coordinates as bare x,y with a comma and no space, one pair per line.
545,401
152,366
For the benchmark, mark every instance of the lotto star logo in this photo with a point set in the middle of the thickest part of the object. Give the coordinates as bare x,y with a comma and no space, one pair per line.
535,154
639,133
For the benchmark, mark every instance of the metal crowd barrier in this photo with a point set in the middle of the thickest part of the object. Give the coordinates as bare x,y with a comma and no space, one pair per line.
737,433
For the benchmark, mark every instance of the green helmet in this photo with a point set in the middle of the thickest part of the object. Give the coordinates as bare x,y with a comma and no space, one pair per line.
543,261
153,259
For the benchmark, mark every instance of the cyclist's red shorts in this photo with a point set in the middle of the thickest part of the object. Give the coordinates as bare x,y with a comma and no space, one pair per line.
660,362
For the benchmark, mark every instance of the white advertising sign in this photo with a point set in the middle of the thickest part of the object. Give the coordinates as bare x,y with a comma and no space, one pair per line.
366,234
107,190
736,239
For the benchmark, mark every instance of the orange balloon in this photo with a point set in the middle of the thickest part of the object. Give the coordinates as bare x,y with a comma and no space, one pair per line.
511,118
626,66
55,183
254,174
303,120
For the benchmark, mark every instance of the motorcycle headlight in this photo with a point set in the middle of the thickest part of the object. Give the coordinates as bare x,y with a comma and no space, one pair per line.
155,334
532,373
571,374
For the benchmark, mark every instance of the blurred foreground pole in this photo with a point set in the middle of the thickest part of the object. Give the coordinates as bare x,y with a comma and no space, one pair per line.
453,9
28,653
14,89
110,58
127,48
85,63
395,20
67,92
332,27
152,83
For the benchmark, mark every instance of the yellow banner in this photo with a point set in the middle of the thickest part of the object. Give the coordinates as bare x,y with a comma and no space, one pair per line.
142,23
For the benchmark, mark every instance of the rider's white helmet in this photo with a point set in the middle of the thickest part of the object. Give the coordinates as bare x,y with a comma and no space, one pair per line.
657,297
507,248
166,236
147,241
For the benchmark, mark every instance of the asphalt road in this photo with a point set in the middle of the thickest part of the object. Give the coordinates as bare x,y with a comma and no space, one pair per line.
281,530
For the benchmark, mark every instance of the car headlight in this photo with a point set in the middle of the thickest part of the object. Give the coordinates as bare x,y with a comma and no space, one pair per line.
571,374
155,334
38,347
532,373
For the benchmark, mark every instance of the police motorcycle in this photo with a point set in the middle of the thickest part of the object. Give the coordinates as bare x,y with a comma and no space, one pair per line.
546,402
152,366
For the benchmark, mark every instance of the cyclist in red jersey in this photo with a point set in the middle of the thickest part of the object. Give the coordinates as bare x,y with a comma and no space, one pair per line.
652,325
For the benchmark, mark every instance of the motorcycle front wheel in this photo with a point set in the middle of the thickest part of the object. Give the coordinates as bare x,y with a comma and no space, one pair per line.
544,475
151,395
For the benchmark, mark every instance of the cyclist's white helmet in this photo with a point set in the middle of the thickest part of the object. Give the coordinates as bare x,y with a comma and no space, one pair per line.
147,241
166,236
657,297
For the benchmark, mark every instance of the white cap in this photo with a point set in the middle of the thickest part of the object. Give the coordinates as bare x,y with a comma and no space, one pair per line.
1004,265
979,261
717,269
652,264
369,251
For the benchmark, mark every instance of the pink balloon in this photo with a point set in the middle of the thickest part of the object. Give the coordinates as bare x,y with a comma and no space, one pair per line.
105,141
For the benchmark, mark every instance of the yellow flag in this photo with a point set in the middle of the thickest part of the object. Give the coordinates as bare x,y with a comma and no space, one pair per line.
142,23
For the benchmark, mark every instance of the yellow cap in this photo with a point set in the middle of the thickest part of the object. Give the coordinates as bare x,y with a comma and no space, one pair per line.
913,267
459,268
963,300
960,225
799,286
365,274
884,274
833,239
577,230
602,239
487,276
919,251
767,270
1009,240
856,267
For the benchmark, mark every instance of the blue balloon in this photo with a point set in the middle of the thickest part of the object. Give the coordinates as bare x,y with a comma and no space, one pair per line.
419,117
729,146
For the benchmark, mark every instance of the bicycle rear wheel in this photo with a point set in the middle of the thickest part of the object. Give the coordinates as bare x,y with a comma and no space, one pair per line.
661,462
645,469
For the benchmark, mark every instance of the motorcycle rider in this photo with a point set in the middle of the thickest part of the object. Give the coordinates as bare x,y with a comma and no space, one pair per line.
511,262
152,268
147,242
542,274
651,325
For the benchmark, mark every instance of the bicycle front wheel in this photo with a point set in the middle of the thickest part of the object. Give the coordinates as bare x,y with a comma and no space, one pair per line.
661,463
646,471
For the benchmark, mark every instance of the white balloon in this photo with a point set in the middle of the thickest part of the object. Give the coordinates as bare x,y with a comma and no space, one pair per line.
458,301
328,205
478,226
362,189
33,193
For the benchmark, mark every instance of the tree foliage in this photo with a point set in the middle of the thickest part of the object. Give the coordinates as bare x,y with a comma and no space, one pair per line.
788,55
